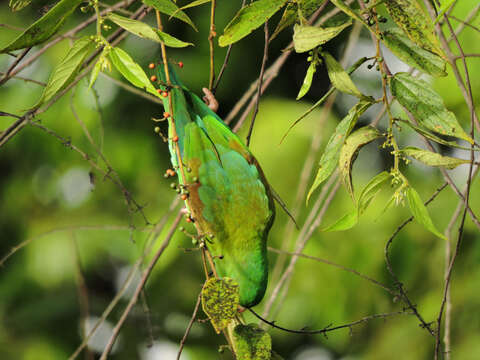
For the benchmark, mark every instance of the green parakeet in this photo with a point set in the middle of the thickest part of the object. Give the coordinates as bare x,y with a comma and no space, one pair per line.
228,195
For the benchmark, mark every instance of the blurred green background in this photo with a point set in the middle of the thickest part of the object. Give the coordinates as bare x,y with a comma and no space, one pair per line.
45,186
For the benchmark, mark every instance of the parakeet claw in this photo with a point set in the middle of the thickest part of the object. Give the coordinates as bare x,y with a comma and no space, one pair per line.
210,100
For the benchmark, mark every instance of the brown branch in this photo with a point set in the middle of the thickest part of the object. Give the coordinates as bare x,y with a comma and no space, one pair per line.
211,37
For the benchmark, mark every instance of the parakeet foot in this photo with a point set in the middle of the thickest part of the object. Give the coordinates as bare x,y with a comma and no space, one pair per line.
210,100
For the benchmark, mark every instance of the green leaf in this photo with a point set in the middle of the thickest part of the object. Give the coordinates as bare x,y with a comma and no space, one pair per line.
192,4
418,97
307,37
339,77
329,159
305,7
170,8
45,27
101,64
145,31
350,150
423,131
220,300
67,69
420,212
252,343
412,54
446,4
370,190
346,222
433,159
131,70
248,19
409,15
349,11
17,5
307,81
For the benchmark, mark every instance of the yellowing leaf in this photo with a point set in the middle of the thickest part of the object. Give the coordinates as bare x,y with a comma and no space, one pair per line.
433,159
331,154
248,19
349,152
418,97
220,300
410,16
412,54
307,37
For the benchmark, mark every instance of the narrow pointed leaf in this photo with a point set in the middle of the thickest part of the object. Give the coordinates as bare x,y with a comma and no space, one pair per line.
446,4
433,159
145,31
418,97
420,212
412,54
252,343
131,70
347,9
248,19
424,131
170,8
410,16
349,152
307,81
67,69
370,190
346,222
331,154
220,300
306,37
45,27
339,77
306,7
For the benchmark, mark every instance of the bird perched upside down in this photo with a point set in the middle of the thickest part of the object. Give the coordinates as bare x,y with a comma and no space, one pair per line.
227,193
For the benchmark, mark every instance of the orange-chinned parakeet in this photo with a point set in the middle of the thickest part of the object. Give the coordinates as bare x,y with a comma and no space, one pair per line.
228,195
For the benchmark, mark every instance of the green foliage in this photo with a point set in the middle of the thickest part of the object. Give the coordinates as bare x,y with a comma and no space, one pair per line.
220,301
170,8
131,70
248,19
252,343
331,154
17,5
410,16
307,37
420,212
412,54
45,27
418,97
433,159
144,31
349,152
67,69
339,77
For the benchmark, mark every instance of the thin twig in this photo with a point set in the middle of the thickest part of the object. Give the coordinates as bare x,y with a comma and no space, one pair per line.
328,262
190,324
140,286
211,37
132,89
259,88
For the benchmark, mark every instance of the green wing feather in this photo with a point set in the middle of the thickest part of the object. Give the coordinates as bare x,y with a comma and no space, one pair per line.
231,200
